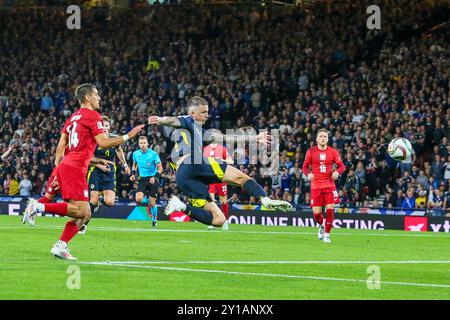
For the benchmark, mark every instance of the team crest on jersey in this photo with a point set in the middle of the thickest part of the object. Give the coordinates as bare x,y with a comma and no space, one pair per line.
323,156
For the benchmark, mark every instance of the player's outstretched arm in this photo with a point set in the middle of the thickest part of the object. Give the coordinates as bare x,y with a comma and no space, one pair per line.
220,138
96,160
164,121
104,142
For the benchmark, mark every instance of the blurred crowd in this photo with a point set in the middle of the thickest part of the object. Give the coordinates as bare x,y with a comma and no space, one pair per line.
294,70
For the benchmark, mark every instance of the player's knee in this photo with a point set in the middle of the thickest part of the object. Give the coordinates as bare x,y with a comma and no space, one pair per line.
109,202
243,179
218,221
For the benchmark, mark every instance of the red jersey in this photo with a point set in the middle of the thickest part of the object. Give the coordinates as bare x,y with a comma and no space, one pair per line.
82,127
219,151
321,162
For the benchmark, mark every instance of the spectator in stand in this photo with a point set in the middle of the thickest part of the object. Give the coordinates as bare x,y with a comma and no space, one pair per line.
409,202
25,186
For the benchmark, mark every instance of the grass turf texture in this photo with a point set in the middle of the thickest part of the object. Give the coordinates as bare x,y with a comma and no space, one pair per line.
175,261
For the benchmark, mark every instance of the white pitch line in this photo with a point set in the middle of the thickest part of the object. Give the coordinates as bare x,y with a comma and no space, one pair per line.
98,228
269,275
275,262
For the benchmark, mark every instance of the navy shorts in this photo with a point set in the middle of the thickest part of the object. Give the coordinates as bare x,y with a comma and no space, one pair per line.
194,179
101,181
150,189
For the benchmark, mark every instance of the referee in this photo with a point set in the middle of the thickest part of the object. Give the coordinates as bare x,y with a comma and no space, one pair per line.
147,162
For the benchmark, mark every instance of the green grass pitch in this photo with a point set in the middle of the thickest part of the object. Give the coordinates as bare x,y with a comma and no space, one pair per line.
120,259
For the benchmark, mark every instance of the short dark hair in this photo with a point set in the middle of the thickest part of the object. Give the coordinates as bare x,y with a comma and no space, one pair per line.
196,101
83,90
105,119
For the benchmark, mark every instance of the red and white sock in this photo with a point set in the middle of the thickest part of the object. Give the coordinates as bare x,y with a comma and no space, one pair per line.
60,208
70,230
318,217
329,220
44,199
225,209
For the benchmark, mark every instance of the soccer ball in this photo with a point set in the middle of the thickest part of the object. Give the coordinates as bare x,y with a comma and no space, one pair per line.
400,149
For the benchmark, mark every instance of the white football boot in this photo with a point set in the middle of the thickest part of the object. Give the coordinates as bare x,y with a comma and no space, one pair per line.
174,204
276,204
60,250
29,214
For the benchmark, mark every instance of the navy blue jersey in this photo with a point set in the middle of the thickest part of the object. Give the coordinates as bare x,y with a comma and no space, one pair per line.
108,153
189,139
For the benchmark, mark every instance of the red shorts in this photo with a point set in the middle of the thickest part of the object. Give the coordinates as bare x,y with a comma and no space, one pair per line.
72,183
218,188
324,196
52,184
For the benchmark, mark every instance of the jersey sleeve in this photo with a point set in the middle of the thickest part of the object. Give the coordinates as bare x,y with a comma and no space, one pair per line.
156,158
96,124
307,163
186,123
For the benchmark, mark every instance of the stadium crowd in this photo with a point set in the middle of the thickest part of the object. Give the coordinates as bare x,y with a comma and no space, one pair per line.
294,70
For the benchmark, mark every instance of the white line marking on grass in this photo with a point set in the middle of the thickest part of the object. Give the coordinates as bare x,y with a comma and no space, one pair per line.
338,233
267,274
274,262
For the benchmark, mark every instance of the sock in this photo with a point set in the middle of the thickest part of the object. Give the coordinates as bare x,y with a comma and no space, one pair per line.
92,206
254,189
154,211
44,199
87,222
224,208
60,208
200,215
148,212
102,201
70,230
318,217
329,220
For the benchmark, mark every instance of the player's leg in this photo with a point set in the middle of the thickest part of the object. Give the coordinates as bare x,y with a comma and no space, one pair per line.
109,198
237,177
317,202
223,198
201,208
94,179
318,217
152,196
60,248
212,194
331,197
153,210
329,210
50,192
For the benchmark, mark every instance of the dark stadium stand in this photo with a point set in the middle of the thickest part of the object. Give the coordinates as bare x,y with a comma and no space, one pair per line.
295,70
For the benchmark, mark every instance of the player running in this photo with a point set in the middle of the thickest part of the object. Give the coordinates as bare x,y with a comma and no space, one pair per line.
220,152
194,172
81,133
150,168
323,190
101,177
